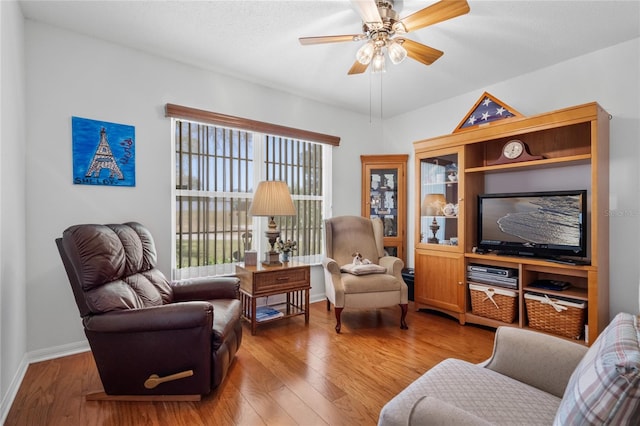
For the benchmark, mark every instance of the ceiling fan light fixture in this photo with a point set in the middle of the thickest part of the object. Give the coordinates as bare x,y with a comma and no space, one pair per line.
365,53
380,23
397,53
399,28
378,63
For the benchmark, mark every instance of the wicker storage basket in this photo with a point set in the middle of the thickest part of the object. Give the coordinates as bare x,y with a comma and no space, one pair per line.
542,315
493,302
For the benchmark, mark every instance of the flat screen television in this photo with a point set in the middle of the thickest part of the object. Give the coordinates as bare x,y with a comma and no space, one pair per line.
548,224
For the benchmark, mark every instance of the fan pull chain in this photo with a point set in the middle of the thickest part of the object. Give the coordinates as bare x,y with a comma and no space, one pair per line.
370,99
381,101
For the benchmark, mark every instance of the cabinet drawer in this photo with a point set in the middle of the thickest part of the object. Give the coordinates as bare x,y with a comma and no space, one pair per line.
267,282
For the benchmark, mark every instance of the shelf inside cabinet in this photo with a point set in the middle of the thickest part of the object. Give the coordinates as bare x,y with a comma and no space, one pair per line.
448,183
570,293
577,279
549,162
494,285
556,144
532,263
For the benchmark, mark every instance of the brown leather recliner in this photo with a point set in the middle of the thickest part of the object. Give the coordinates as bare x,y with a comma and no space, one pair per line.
149,336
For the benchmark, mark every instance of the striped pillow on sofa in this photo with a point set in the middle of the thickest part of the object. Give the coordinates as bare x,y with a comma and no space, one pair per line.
605,387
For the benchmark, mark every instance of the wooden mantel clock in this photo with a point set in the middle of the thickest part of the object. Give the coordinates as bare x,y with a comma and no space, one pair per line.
515,151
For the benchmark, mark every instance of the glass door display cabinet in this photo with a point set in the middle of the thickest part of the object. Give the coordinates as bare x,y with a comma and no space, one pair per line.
384,195
439,257
439,200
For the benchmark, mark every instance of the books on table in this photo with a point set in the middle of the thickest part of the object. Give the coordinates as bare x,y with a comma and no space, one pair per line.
264,313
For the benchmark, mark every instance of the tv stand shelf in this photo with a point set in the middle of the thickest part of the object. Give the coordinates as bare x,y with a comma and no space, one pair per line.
532,260
571,293
490,258
530,270
453,170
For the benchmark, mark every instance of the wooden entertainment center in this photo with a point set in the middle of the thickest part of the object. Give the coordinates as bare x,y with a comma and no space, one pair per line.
564,147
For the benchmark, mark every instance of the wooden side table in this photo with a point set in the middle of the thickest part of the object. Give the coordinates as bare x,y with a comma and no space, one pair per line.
291,278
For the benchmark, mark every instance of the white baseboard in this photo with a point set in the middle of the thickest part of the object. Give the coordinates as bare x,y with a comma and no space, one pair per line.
313,298
12,391
57,351
32,357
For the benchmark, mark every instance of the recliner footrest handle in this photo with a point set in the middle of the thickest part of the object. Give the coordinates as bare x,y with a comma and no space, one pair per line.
154,380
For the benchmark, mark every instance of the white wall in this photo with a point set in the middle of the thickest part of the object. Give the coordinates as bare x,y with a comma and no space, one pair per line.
610,77
68,74
13,331
72,75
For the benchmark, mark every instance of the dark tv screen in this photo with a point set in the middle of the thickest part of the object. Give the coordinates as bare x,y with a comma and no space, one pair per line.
544,224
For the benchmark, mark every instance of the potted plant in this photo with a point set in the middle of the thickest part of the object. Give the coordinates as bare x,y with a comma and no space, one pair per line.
285,248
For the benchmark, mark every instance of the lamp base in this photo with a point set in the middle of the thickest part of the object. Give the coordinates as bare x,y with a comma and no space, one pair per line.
434,228
271,258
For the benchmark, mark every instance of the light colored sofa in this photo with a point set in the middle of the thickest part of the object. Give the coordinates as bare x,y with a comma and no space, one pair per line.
531,379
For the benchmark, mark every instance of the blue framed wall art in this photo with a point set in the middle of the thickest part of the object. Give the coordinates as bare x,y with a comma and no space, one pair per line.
103,153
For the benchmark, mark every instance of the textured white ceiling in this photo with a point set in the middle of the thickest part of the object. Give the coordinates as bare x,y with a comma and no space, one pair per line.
257,41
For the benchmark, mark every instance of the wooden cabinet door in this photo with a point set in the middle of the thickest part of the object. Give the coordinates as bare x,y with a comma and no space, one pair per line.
439,282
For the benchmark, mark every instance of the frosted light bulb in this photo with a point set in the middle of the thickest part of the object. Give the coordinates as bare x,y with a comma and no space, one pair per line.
379,62
365,53
397,53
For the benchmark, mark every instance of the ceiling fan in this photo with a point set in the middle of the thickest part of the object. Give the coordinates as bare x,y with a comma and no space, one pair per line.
383,30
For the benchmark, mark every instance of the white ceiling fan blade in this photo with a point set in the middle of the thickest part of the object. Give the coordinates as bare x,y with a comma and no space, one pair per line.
368,11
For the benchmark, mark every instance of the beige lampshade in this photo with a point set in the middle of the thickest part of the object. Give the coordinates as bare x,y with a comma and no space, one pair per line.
272,198
432,205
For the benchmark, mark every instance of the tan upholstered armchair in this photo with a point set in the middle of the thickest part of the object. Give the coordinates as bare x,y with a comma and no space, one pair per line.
345,235
151,339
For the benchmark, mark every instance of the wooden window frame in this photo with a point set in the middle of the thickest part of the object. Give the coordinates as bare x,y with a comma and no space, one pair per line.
202,116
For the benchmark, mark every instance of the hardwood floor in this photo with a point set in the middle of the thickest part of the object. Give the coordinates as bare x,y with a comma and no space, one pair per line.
287,374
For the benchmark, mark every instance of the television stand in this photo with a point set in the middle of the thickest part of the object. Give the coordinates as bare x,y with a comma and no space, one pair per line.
567,261
554,259
457,168
513,253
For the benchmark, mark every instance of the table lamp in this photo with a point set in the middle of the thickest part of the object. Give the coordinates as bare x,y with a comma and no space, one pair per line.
432,206
272,198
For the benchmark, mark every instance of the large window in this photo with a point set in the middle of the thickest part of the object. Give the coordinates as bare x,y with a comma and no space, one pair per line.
216,171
